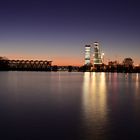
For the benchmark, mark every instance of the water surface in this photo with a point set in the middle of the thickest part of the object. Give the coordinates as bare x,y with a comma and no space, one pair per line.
69,106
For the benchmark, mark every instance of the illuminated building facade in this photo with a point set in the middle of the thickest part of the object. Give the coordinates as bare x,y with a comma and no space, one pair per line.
97,56
87,54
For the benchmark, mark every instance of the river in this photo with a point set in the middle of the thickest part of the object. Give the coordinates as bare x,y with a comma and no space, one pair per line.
69,106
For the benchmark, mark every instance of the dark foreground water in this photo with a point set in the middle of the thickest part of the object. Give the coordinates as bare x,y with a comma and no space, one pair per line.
69,106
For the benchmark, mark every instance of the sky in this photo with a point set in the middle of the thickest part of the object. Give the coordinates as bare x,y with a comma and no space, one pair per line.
58,30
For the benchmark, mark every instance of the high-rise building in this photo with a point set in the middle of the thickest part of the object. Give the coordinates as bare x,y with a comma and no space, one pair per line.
97,54
87,54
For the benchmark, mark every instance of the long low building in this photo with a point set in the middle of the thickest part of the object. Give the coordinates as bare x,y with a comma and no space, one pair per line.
29,64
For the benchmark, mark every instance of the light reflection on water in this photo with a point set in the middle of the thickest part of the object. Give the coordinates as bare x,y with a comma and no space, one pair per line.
110,106
94,95
137,81
70,106
94,104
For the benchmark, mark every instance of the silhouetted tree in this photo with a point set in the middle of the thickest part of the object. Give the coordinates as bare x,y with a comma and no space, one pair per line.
70,68
128,64
4,63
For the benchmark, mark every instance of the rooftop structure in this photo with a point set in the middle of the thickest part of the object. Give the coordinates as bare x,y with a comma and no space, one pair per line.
30,64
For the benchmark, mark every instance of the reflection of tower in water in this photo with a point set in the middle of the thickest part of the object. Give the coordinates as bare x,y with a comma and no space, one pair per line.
94,102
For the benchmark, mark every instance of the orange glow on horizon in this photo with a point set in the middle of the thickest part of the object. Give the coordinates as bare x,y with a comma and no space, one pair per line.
60,60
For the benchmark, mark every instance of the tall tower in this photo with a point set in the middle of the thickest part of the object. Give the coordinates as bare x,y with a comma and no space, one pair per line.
87,54
97,54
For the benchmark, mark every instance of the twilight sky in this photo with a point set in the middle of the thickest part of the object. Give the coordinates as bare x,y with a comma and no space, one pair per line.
57,30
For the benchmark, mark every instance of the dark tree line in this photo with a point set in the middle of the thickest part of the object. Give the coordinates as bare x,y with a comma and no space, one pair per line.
126,67
4,63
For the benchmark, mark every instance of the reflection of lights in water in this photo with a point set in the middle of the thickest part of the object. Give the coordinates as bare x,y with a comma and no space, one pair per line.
94,99
137,81
137,77
86,82
102,94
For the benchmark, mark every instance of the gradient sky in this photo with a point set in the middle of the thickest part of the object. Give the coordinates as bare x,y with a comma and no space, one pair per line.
57,30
